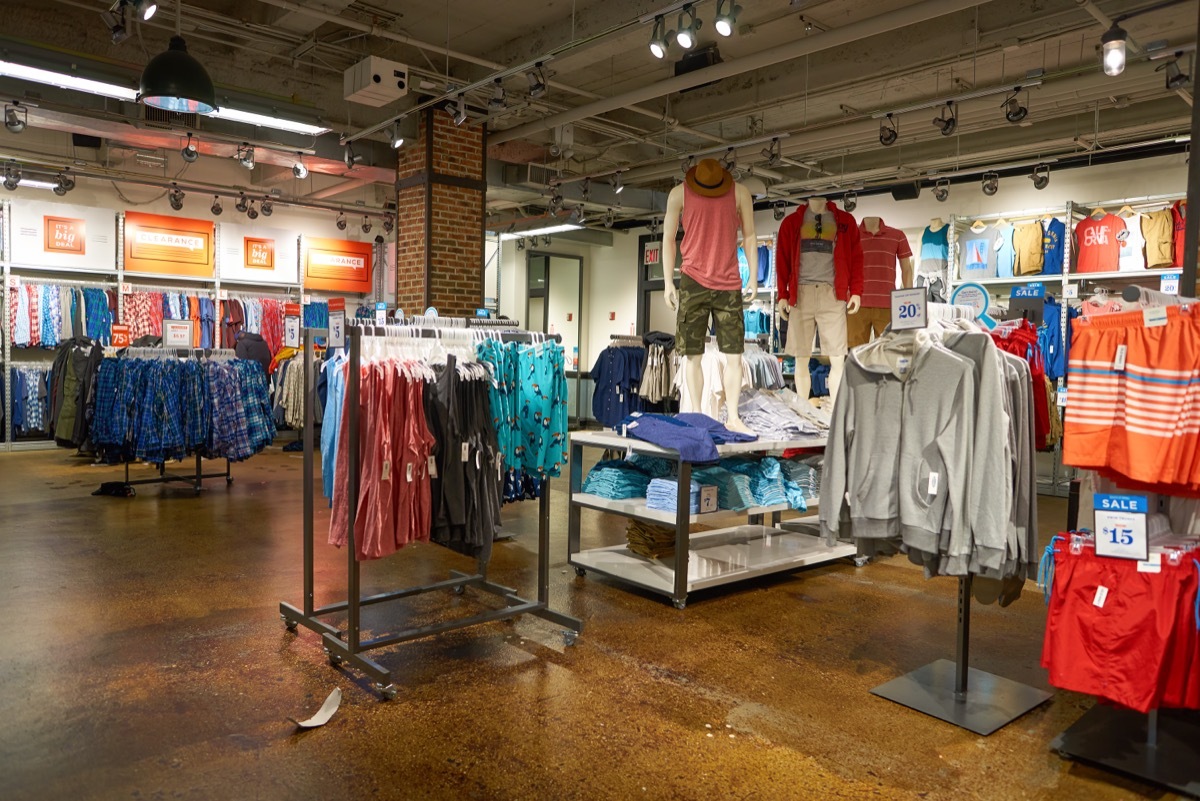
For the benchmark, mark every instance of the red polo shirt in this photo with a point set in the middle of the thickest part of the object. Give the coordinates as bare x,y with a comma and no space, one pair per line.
880,254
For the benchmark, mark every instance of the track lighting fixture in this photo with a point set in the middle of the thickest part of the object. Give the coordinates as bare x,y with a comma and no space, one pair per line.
340,222
546,240
114,20
389,223
688,25
1176,78
175,198
578,215
348,156
498,100
687,164
298,169
245,155
991,183
189,151
888,131
267,207
63,184
660,39
521,243
1040,176
366,225
850,201
618,183
251,212
654,226
12,177
610,217
460,114
941,190
242,204
780,210
216,206
947,120
1112,50
773,154
537,81
16,118
729,160
1014,112
727,14
145,9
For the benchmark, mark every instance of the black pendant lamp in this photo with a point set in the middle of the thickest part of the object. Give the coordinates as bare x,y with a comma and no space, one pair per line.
175,81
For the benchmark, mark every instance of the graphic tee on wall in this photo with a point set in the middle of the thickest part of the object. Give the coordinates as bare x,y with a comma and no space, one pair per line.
337,265
155,243
259,254
62,235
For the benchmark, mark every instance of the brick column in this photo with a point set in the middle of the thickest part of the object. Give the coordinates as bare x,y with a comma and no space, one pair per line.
441,190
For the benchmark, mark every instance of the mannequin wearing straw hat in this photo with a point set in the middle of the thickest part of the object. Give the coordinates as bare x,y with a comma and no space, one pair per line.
712,208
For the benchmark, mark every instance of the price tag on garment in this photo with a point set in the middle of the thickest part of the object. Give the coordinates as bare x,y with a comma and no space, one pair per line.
1062,398
14,281
1151,565
1071,292
222,294
1169,284
910,309
1121,527
306,299
177,333
933,484
337,329
466,452
408,472
291,332
1154,317
126,289
1101,596
1119,361
387,470
432,466
120,336
381,313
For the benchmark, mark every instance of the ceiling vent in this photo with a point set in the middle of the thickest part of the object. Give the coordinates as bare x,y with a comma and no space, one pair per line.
160,118
698,59
530,176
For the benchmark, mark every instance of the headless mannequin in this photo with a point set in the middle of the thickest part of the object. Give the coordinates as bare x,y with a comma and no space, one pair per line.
937,224
873,225
693,373
837,364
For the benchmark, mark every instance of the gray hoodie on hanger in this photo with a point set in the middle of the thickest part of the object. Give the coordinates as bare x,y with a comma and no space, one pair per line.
899,456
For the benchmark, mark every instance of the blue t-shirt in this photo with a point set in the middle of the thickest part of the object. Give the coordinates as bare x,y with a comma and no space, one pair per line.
1054,238
1007,254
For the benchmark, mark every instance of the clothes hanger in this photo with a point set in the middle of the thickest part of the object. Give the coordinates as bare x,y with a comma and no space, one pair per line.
1098,213
1126,209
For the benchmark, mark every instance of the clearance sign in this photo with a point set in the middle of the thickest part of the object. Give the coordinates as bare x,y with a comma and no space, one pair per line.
337,265
169,245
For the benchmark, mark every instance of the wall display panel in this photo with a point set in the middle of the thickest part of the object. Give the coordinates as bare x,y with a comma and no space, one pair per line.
169,245
259,254
337,265
64,236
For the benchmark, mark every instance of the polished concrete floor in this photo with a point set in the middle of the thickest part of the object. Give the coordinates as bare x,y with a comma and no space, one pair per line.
144,658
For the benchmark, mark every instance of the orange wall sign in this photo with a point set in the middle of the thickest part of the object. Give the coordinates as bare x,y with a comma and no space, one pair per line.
260,253
65,235
172,245
337,265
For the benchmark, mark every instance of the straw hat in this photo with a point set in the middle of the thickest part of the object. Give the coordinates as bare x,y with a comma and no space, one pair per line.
709,178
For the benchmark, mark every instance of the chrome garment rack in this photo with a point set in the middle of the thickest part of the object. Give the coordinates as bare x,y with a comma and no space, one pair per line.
347,646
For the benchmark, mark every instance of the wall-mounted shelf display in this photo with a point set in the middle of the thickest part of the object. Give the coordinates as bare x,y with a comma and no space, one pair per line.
700,560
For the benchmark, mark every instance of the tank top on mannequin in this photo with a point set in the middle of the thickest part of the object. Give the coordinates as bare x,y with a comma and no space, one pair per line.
710,233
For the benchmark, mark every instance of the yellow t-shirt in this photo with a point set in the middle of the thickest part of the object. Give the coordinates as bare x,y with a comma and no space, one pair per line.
1027,242
1158,228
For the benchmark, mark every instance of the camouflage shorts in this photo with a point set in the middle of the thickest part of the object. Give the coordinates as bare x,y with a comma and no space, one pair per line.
697,304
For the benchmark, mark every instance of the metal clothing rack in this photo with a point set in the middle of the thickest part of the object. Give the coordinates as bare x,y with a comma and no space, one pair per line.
957,693
347,646
198,475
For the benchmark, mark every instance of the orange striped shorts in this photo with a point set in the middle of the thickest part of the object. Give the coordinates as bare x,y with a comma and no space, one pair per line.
1138,424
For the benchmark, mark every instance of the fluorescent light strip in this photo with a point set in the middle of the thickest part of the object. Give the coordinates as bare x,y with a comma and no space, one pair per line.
30,183
263,121
62,80
553,229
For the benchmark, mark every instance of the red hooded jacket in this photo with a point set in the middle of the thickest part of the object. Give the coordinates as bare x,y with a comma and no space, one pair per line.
847,255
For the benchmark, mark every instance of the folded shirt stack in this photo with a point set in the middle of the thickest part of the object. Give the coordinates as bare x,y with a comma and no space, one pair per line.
766,479
663,495
616,480
771,418
805,474
654,466
733,489
649,540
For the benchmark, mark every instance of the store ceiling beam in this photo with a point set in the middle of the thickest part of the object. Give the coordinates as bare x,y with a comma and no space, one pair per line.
847,34
340,188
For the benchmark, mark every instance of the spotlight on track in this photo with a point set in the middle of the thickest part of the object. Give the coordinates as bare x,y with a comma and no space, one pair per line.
175,198
367,225
780,210
850,201
216,206
1176,78
498,100
687,27
537,81
991,183
251,212
888,131
389,223
941,190
773,153
618,183
245,155
521,243
1014,112
298,169
16,118
947,120
661,38
340,222
460,113
267,207
726,18
189,151
1040,176
242,204
12,177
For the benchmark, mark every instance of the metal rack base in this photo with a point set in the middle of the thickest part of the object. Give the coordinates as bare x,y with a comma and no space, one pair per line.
1158,748
194,481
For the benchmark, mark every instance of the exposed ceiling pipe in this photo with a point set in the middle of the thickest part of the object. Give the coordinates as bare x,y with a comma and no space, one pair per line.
341,187
847,34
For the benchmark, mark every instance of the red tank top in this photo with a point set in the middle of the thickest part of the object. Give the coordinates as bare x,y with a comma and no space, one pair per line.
710,237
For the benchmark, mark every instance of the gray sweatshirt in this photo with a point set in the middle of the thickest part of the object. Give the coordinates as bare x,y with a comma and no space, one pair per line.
899,456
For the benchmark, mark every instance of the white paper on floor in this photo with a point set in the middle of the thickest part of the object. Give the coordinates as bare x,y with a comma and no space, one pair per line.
324,713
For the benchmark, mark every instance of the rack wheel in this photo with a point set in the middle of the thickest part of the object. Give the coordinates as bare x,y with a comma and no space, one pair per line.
460,589
581,572
290,625
570,637
388,692
228,480
334,659
680,603
861,561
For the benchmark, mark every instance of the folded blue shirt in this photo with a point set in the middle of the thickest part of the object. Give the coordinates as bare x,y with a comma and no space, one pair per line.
694,444
718,432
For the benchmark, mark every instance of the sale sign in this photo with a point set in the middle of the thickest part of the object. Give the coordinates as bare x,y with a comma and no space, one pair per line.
337,265
259,253
169,245
120,335
65,235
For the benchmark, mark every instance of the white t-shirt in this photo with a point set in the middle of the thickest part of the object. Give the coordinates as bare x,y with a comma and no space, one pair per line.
1133,246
